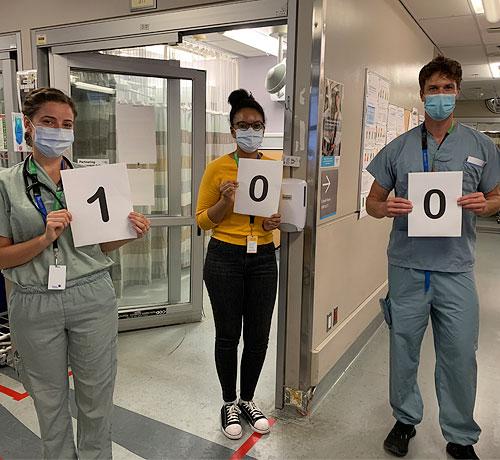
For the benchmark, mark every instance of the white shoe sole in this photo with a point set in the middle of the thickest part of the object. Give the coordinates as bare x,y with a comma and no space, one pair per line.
256,430
233,437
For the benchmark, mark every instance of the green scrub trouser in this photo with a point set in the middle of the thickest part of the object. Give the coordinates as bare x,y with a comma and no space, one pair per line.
79,324
452,304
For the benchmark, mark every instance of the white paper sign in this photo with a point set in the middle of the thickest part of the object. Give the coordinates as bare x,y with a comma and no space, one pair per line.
259,188
100,201
435,209
142,186
135,134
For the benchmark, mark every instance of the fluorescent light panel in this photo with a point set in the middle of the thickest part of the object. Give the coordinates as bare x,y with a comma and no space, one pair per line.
495,69
255,39
92,87
478,6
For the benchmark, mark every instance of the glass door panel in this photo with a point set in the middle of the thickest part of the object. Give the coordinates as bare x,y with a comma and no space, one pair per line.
158,279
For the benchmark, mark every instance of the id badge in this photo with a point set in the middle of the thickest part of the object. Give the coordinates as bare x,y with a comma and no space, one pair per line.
57,278
252,242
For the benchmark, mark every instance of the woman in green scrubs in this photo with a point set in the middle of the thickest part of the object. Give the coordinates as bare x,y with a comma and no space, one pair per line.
52,329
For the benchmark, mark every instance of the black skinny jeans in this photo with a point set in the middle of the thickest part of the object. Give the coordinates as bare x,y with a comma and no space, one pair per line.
242,287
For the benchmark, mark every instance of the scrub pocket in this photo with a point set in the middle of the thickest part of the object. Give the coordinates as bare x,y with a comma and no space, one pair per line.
472,177
20,371
385,305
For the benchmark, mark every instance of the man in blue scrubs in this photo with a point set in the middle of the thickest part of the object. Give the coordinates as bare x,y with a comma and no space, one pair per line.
433,277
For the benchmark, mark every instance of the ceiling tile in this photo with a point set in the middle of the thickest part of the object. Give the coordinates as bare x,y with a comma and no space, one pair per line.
492,50
490,38
456,31
476,72
466,54
423,9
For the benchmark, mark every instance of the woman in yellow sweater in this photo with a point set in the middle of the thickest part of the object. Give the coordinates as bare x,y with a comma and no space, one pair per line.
241,283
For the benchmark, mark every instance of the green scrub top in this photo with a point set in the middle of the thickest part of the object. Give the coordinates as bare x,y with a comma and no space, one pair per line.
403,155
20,221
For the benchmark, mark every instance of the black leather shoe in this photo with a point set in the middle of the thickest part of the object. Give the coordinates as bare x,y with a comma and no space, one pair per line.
398,439
461,452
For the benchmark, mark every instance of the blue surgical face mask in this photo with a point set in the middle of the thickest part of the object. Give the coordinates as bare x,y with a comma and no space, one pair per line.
249,140
52,142
439,106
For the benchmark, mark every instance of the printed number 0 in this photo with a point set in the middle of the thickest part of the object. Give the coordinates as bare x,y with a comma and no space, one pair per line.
427,204
265,188
103,204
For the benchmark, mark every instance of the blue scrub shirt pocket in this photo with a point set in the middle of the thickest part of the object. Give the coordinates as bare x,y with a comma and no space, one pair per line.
385,305
472,177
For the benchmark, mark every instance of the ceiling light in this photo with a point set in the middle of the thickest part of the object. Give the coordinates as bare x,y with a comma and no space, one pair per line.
478,6
91,87
495,69
255,39
492,10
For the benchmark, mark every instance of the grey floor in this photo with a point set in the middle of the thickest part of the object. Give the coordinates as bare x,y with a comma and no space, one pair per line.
168,376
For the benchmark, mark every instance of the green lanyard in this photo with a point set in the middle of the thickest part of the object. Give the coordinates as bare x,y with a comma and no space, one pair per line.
56,206
237,158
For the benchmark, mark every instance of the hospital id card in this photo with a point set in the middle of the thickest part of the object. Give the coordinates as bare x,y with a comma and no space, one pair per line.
252,242
57,278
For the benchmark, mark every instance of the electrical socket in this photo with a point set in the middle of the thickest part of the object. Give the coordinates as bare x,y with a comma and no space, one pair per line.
332,319
329,321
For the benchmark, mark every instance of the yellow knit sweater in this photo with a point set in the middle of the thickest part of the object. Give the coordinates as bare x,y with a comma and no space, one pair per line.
234,228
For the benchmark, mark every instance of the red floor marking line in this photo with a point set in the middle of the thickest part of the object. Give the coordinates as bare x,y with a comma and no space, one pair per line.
249,443
15,395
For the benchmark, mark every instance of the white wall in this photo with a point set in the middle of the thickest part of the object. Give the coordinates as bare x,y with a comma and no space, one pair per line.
351,263
253,73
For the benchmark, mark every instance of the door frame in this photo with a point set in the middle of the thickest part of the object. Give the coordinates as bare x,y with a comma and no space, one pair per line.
168,26
10,63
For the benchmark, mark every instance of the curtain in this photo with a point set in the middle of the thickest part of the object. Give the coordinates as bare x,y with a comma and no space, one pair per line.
145,261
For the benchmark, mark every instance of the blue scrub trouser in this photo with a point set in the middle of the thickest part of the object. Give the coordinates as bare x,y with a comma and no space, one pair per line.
452,304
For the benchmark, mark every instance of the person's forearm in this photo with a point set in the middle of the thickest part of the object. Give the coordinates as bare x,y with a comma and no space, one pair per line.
219,210
21,253
492,206
114,245
376,208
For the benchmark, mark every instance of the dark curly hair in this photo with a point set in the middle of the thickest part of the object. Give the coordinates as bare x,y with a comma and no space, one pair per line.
37,97
444,66
242,99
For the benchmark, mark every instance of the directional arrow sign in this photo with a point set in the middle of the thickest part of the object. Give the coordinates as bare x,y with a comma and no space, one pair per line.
327,185
328,194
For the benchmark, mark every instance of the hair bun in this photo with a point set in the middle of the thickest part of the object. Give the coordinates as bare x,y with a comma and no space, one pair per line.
239,95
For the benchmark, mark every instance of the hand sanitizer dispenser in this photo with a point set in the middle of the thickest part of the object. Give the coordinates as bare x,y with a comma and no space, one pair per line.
293,205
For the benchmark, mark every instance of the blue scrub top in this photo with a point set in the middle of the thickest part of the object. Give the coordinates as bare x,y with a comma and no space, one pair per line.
404,155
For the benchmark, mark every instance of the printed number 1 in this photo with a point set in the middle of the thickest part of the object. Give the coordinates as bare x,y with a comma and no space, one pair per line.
103,204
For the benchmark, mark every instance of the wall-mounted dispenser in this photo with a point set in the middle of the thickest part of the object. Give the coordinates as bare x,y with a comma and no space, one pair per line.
293,205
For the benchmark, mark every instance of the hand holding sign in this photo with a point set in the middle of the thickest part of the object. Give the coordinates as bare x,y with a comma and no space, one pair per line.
227,190
436,211
475,202
259,187
100,202
398,207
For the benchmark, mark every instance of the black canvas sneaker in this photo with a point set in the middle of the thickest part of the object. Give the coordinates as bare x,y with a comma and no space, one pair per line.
398,439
